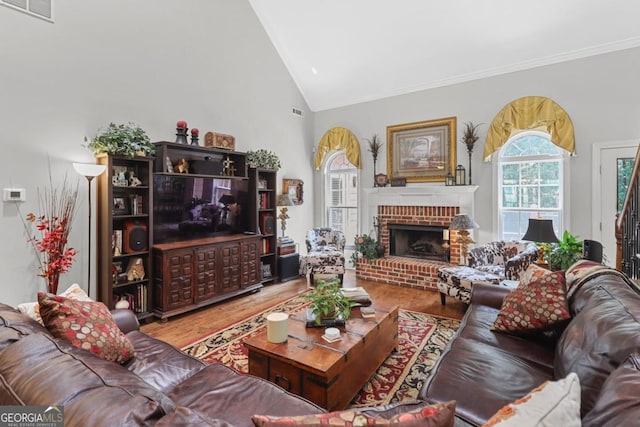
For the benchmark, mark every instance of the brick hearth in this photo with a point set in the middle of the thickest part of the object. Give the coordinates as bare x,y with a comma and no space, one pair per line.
403,271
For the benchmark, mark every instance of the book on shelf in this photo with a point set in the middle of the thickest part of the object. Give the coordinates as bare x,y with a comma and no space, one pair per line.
136,204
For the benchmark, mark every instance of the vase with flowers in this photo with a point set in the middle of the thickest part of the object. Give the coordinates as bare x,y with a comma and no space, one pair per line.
53,224
469,137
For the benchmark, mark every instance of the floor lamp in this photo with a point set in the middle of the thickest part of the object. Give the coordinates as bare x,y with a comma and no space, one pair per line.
89,171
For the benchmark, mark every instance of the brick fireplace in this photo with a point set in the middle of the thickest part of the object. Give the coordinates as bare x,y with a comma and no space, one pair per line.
428,206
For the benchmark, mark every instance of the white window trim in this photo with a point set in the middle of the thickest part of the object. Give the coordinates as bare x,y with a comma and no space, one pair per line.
29,12
566,187
323,199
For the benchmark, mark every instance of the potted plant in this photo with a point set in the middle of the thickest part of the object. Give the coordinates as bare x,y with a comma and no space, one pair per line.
563,254
365,247
264,159
328,302
127,140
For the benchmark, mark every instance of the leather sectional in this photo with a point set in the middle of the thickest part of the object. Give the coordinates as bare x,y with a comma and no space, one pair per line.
483,370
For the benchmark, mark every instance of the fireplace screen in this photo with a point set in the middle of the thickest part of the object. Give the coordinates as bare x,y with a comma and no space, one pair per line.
416,241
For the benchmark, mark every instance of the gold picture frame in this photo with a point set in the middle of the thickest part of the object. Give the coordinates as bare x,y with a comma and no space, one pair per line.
422,151
293,187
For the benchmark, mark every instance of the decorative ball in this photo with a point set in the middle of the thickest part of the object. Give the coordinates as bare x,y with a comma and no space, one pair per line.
181,124
195,131
122,304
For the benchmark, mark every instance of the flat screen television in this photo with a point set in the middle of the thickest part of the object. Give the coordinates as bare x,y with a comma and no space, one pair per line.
187,208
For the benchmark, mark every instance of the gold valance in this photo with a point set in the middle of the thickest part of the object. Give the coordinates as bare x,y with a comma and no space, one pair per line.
530,113
338,139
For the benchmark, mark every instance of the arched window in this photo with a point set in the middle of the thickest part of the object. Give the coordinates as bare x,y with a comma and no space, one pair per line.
531,180
341,195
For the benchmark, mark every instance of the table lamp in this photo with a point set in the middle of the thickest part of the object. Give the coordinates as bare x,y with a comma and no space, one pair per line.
540,231
462,223
89,171
284,201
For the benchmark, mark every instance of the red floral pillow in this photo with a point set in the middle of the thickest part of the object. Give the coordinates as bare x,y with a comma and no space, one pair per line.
538,303
87,325
436,415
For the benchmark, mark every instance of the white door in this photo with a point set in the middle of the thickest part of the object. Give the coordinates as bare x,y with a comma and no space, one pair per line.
611,159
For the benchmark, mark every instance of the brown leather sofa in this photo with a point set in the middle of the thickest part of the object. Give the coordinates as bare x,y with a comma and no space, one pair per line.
484,370
160,386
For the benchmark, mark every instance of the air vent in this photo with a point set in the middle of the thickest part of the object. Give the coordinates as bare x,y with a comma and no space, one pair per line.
296,111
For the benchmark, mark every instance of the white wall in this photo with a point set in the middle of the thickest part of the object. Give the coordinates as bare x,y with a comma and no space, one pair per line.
151,62
601,94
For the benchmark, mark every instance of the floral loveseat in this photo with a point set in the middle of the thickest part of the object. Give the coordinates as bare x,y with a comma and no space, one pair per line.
325,253
490,263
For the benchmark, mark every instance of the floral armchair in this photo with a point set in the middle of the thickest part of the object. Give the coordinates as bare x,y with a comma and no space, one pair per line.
508,259
325,248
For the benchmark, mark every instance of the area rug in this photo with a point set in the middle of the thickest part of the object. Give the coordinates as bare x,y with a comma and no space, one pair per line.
422,338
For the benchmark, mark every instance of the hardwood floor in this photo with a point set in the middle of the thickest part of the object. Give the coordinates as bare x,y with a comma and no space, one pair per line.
184,329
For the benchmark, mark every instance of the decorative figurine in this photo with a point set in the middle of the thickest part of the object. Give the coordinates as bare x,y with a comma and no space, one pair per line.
134,181
227,167
182,166
181,132
194,136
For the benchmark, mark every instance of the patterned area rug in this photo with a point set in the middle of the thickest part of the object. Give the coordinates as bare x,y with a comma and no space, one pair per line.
422,338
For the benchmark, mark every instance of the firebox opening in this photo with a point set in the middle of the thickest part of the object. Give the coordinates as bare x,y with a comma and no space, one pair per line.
417,241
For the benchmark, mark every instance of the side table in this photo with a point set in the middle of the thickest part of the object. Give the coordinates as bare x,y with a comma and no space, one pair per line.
288,262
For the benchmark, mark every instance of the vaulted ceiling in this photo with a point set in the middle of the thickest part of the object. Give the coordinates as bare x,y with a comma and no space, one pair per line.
343,52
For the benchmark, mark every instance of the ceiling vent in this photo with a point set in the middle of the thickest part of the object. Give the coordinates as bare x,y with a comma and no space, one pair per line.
296,111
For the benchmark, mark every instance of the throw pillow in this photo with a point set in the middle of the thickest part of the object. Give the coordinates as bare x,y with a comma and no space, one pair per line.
554,403
32,309
533,272
436,415
87,325
538,303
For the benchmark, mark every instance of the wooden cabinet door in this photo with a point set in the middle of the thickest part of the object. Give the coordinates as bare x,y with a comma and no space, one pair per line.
179,278
206,277
230,267
249,269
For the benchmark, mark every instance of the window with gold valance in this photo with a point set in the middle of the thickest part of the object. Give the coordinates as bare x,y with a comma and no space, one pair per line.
530,113
338,138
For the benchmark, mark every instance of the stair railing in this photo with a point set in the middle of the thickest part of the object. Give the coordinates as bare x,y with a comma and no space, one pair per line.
627,227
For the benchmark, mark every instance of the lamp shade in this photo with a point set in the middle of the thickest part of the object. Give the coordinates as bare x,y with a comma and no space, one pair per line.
541,231
463,222
227,199
89,169
284,200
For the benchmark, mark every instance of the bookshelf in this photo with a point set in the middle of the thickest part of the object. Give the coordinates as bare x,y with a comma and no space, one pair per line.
263,219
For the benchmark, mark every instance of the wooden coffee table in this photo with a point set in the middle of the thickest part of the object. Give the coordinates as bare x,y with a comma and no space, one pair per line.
328,374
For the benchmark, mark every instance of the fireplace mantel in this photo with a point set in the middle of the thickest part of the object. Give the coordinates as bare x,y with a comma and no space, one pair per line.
461,196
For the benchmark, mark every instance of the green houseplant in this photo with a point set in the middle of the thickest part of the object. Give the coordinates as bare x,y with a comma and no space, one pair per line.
328,301
365,247
561,255
127,140
264,159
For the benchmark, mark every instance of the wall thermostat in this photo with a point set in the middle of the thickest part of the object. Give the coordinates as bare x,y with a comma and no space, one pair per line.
14,195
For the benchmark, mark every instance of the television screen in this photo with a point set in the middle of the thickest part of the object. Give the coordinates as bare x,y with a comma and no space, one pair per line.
187,208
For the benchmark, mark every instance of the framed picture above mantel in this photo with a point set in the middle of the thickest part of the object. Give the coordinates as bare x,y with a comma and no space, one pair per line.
422,151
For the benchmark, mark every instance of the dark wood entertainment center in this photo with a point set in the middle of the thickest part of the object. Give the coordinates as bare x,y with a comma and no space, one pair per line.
212,245
191,274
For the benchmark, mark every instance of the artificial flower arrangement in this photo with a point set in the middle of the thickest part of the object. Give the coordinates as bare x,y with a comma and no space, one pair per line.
53,226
